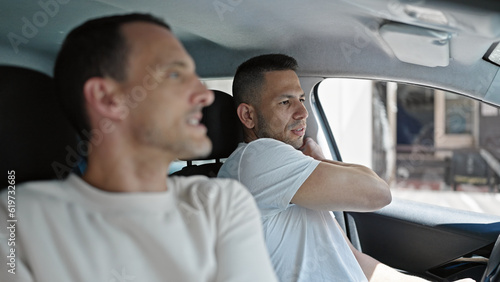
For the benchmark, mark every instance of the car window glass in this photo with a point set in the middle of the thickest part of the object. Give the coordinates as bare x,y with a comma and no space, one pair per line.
430,145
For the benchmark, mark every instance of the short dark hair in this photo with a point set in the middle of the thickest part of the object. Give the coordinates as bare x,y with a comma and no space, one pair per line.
97,48
249,76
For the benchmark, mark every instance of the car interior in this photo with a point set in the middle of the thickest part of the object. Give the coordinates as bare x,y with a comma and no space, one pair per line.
443,44
225,132
38,142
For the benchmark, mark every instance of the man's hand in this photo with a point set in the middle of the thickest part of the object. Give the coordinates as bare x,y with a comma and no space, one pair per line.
312,149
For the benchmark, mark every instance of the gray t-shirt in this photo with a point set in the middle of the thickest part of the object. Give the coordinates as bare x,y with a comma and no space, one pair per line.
304,245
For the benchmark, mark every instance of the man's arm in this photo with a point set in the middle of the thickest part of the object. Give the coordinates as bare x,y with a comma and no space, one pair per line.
339,186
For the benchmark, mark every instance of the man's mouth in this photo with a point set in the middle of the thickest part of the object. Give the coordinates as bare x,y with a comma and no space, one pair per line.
299,131
193,121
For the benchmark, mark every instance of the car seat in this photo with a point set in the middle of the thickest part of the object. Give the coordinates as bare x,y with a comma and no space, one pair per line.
225,132
37,140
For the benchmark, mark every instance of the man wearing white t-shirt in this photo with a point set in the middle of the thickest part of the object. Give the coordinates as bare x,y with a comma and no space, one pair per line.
129,87
293,184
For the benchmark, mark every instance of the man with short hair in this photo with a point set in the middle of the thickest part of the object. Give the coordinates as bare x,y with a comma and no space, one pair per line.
130,88
294,186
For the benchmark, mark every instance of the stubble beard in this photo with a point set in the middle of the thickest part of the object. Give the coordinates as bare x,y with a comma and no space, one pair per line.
264,131
189,148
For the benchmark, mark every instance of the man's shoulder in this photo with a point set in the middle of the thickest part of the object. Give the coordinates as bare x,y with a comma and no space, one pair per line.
39,188
266,147
272,146
204,187
257,147
30,196
268,142
260,156
211,196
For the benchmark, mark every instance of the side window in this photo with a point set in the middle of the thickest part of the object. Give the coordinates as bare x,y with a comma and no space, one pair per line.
429,145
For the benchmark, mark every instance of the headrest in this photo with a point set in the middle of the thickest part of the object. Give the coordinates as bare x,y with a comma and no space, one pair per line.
223,125
37,141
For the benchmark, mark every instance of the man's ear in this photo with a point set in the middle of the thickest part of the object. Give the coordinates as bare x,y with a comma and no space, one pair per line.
103,96
246,113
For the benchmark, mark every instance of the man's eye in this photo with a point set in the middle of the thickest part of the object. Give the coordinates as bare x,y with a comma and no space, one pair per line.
302,100
284,102
173,75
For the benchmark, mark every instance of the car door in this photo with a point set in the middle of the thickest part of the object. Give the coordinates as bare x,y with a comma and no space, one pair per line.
440,243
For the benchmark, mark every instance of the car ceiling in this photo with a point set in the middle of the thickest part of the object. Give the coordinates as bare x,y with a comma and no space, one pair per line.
329,38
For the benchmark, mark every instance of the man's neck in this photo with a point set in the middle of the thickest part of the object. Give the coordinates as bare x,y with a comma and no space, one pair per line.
127,173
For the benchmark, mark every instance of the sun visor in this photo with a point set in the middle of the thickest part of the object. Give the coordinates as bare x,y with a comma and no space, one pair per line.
417,45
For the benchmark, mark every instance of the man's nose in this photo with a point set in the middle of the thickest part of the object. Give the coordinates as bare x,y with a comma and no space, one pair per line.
301,112
202,95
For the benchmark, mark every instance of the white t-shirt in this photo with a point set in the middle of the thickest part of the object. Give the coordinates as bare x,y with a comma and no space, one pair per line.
304,244
197,230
